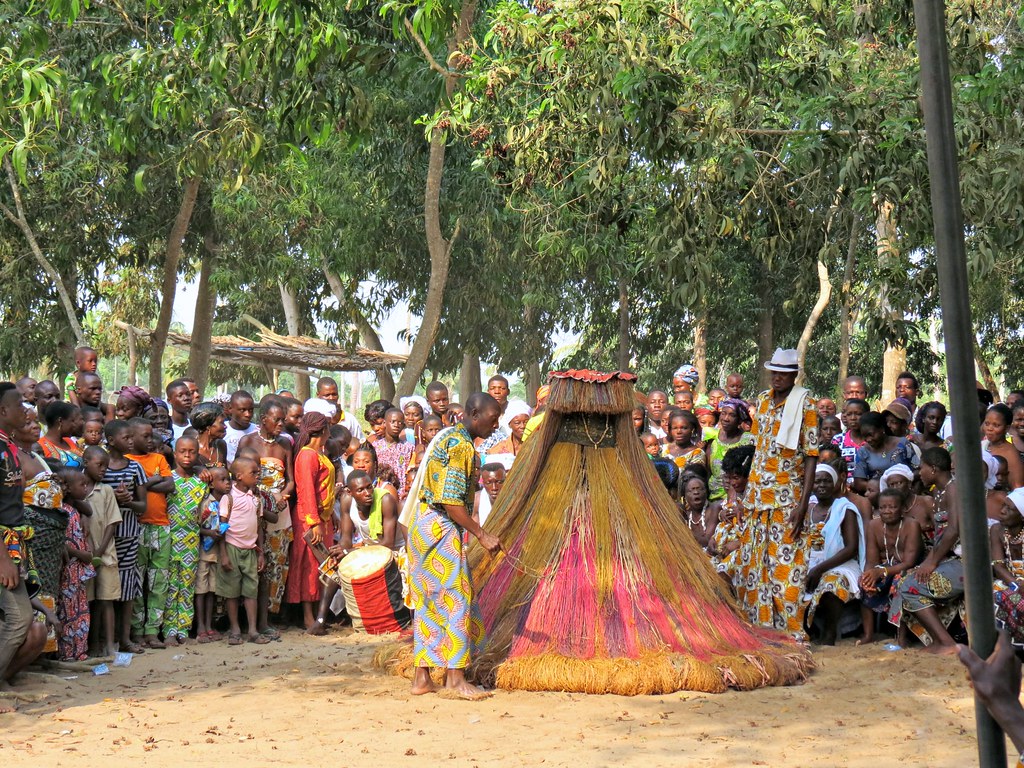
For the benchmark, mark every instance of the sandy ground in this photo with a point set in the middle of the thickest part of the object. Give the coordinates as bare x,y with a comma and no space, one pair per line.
319,702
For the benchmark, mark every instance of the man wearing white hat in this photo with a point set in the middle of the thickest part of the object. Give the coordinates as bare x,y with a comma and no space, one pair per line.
773,546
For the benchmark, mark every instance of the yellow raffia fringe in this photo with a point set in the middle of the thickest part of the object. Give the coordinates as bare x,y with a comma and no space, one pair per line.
653,673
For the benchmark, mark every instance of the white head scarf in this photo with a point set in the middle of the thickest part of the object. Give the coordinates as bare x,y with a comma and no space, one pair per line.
825,469
319,405
1017,499
422,401
896,469
517,408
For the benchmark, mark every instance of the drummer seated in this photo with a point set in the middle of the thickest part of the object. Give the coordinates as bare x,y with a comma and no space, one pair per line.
369,516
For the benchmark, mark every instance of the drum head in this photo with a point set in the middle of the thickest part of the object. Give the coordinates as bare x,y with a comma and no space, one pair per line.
365,561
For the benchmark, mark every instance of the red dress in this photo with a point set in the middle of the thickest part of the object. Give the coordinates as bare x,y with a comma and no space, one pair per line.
314,503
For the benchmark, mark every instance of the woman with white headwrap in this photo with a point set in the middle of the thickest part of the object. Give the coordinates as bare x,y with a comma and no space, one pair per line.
837,550
1006,539
517,415
920,507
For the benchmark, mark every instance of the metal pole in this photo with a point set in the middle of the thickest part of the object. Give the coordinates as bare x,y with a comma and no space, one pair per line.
948,225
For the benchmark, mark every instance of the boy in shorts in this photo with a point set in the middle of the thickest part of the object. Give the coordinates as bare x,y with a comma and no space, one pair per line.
241,551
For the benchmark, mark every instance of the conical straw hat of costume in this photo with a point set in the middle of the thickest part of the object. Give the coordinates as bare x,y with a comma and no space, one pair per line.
601,587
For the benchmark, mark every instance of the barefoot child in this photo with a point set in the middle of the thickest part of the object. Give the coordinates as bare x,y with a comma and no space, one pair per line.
275,460
183,517
104,590
893,547
155,539
210,536
73,602
128,481
241,552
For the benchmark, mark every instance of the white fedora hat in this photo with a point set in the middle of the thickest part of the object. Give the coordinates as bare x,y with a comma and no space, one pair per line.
784,361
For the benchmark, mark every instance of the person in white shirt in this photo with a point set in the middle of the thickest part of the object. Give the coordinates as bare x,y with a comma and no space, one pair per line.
327,389
239,412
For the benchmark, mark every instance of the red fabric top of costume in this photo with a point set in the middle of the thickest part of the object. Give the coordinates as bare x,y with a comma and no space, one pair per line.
593,376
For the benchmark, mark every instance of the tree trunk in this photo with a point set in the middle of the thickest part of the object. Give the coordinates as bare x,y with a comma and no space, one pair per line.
175,240
293,321
622,359
133,358
824,294
133,354
986,373
846,310
367,333
894,359
440,249
202,320
534,382
469,376
21,222
765,335
700,350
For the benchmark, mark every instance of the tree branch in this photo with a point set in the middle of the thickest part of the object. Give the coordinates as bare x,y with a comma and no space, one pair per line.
426,52
21,222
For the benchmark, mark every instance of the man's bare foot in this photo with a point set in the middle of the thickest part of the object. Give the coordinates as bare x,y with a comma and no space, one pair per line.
866,639
938,649
422,682
317,629
6,709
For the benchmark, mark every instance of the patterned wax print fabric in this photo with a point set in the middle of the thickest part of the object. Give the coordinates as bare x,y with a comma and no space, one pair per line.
129,530
1009,603
398,456
183,514
772,562
73,605
943,590
694,456
446,626
153,563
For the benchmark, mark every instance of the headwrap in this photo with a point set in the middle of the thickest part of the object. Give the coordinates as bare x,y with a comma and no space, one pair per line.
1016,498
517,408
704,410
155,403
137,396
825,469
223,399
993,468
418,399
542,394
737,405
312,423
321,406
687,373
896,469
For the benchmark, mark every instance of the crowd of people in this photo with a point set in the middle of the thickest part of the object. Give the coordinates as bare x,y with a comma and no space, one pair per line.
141,523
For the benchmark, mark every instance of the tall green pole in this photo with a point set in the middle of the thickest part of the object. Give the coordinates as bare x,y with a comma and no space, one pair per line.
948,225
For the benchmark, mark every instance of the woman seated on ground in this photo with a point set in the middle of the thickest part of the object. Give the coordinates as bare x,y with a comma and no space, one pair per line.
917,506
683,446
725,541
830,455
836,536
1006,539
894,546
995,427
880,451
699,518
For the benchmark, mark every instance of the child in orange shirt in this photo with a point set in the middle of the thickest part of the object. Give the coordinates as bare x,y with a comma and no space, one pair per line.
155,548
